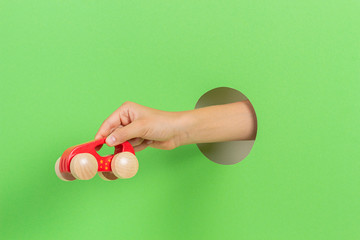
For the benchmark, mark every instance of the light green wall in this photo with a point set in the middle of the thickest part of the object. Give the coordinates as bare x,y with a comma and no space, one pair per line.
66,65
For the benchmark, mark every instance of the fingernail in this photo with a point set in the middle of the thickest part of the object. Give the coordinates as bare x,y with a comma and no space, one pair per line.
110,140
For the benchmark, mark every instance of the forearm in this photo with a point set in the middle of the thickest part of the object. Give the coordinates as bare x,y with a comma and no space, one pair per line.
229,122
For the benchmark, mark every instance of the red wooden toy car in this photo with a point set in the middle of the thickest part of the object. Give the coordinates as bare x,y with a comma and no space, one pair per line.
83,162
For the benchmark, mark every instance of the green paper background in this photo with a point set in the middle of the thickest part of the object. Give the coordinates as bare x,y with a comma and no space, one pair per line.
66,65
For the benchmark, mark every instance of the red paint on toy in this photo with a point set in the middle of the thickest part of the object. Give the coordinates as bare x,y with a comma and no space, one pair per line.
104,163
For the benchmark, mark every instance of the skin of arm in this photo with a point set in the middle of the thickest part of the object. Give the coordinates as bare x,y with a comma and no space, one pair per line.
143,126
219,123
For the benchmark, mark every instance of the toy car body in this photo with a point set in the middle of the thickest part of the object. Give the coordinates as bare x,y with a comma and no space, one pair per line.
83,161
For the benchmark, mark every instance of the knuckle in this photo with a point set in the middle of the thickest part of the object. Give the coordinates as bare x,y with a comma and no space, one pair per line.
170,145
127,104
136,141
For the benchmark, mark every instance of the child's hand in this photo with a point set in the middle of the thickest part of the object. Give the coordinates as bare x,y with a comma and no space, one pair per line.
142,126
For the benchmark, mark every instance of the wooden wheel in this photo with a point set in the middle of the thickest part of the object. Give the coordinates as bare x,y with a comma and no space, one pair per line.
83,166
65,176
124,165
107,176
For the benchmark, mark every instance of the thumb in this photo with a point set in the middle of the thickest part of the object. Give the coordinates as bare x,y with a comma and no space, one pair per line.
122,134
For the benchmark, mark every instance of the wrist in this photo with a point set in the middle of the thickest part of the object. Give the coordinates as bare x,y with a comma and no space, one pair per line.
185,123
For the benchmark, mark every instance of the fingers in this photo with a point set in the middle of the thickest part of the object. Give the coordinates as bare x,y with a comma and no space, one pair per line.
143,145
122,116
111,123
133,130
166,145
136,141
